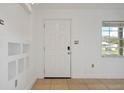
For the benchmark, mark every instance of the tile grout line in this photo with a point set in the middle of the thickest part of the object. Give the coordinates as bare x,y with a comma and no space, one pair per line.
68,85
51,80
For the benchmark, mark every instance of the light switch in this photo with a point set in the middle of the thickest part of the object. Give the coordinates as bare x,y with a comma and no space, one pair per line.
76,42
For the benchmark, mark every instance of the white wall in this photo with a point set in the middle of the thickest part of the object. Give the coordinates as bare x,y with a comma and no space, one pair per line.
86,27
17,29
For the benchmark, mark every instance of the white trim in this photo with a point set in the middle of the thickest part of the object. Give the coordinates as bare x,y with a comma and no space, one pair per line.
29,87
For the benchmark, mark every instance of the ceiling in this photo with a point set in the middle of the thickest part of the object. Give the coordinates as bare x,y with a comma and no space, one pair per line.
79,5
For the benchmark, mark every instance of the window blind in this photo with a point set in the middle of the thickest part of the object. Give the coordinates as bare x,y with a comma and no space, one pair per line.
113,23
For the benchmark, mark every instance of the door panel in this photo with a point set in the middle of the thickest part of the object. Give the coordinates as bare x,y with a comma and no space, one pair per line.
57,39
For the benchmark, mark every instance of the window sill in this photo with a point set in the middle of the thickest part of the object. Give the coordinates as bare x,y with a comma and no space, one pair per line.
113,56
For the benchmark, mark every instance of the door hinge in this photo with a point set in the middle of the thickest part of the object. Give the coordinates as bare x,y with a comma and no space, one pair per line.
44,26
44,48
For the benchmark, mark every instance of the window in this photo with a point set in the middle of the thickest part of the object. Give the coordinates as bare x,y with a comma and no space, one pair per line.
113,38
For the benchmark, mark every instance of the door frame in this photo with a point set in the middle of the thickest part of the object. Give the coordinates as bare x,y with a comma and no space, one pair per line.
44,43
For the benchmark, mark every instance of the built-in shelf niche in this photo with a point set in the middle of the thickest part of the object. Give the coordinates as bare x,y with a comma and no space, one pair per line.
14,49
11,70
20,65
25,48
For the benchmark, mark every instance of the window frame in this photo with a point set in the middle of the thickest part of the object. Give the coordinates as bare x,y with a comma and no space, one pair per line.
118,24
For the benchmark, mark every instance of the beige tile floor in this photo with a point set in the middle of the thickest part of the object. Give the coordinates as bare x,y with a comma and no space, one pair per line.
79,84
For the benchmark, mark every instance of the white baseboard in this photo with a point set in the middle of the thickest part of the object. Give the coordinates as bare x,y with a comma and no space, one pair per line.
31,84
94,76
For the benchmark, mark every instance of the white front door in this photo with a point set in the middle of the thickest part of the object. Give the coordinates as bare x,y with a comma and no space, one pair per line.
57,48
